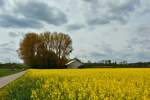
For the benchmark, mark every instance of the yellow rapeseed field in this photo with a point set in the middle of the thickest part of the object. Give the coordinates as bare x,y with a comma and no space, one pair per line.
81,84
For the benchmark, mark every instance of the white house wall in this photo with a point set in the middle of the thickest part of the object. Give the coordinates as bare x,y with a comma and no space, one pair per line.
74,65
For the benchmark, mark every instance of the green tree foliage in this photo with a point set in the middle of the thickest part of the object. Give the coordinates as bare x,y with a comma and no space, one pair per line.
45,50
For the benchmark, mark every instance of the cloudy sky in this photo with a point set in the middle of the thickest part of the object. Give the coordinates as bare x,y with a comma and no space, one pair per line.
100,29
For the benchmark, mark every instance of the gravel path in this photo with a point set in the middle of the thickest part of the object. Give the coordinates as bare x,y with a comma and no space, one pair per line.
7,79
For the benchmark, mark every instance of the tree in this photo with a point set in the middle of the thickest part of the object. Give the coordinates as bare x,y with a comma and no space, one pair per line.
27,48
60,44
48,50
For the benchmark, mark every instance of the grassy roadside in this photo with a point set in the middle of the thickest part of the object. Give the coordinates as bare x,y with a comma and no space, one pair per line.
3,92
5,72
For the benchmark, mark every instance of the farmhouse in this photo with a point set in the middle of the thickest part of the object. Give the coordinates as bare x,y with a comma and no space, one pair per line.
74,63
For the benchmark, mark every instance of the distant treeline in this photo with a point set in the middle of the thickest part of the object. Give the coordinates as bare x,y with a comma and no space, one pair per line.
87,65
117,65
13,66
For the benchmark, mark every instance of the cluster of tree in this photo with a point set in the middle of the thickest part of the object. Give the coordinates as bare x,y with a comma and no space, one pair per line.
107,62
45,50
140,64
110,62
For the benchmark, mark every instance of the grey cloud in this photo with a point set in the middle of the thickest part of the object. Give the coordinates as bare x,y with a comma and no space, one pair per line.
106,20
7,47
2,2
90,1
7,44
101,55
143,31
4,44
8,52
139,44
143,55
114,12
98,55
41,11
93,3
9,58
105,51
13,34
101,52
142,38
74,27
16,22
125,8
97,21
